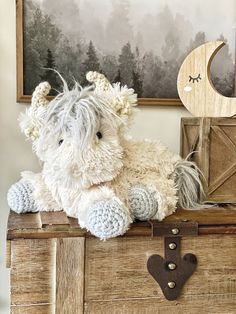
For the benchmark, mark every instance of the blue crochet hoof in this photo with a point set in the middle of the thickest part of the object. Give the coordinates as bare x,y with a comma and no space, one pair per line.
20,197
142,203
108,219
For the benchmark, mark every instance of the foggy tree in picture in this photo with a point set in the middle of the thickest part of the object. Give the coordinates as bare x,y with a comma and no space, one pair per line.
200,39
49,75
91,63
224,80
152,74
109,66
68,60
117,78
171,62
118,28
137,83
35,43
126,64
71,48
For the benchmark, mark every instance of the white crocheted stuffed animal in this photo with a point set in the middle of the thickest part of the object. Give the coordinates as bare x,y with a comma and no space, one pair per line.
91,169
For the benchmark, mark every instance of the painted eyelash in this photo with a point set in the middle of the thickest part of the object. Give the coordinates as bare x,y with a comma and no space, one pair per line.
193,79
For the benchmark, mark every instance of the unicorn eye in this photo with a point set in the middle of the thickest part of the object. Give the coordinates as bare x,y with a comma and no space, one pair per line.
60,142
195,79
99,135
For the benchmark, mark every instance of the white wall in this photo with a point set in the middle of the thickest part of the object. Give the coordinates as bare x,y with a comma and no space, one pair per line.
15,153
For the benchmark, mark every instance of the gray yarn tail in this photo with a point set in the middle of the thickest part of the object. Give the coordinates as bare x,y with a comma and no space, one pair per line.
189,185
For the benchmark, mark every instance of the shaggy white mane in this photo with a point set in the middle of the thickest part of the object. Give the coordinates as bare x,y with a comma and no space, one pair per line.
79,112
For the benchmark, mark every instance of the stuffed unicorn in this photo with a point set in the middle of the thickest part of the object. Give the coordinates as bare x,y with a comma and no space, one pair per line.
91,168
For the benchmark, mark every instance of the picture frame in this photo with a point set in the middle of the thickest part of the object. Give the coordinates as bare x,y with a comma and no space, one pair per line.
25,97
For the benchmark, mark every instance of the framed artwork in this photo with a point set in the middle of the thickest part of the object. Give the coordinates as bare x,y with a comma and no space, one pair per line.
141,43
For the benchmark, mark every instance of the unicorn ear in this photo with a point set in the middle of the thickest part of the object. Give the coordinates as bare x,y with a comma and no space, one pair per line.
120,98
32,119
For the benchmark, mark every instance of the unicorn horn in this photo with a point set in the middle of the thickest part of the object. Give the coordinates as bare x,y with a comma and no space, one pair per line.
101,82
39,95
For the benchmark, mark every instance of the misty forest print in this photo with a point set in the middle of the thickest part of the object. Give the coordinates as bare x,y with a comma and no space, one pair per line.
139,43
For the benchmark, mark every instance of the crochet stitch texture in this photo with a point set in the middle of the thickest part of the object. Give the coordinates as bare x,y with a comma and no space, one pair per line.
108,219
20,197
142,203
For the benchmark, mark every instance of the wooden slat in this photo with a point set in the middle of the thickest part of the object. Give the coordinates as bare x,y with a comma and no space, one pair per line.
204,144
193,147
205,217
225,139
45,233
189,141
211,216
217,304
73,223
54,218
190,121
8,254
217,229
70,276
159,102
117,269
224,121
32,271
222,178
33,309
184,139
23,221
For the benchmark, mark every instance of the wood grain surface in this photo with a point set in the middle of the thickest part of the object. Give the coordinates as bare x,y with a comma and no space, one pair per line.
218,304
8,254
23,221
195,87
32,271
70,276
54,219
33,309
117,269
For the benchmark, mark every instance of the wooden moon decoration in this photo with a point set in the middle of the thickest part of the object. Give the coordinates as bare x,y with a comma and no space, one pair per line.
195,87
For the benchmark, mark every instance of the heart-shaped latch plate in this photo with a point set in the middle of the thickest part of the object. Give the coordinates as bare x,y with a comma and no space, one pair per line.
173,271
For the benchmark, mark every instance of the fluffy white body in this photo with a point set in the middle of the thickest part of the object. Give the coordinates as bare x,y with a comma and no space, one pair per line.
91,169
143,163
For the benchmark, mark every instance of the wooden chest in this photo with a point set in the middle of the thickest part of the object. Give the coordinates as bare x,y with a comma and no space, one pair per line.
214,142
58,268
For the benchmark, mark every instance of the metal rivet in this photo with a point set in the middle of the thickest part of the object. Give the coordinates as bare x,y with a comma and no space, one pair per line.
171,284
172,245
172,266
175,231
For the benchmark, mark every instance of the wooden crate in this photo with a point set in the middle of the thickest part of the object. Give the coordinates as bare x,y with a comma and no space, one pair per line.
58,268
214,141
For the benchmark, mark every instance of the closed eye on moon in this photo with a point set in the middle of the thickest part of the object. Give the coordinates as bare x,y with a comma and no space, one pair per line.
195,79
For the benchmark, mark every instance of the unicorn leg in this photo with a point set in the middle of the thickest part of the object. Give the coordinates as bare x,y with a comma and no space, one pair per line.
142,203
20,197
108,218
